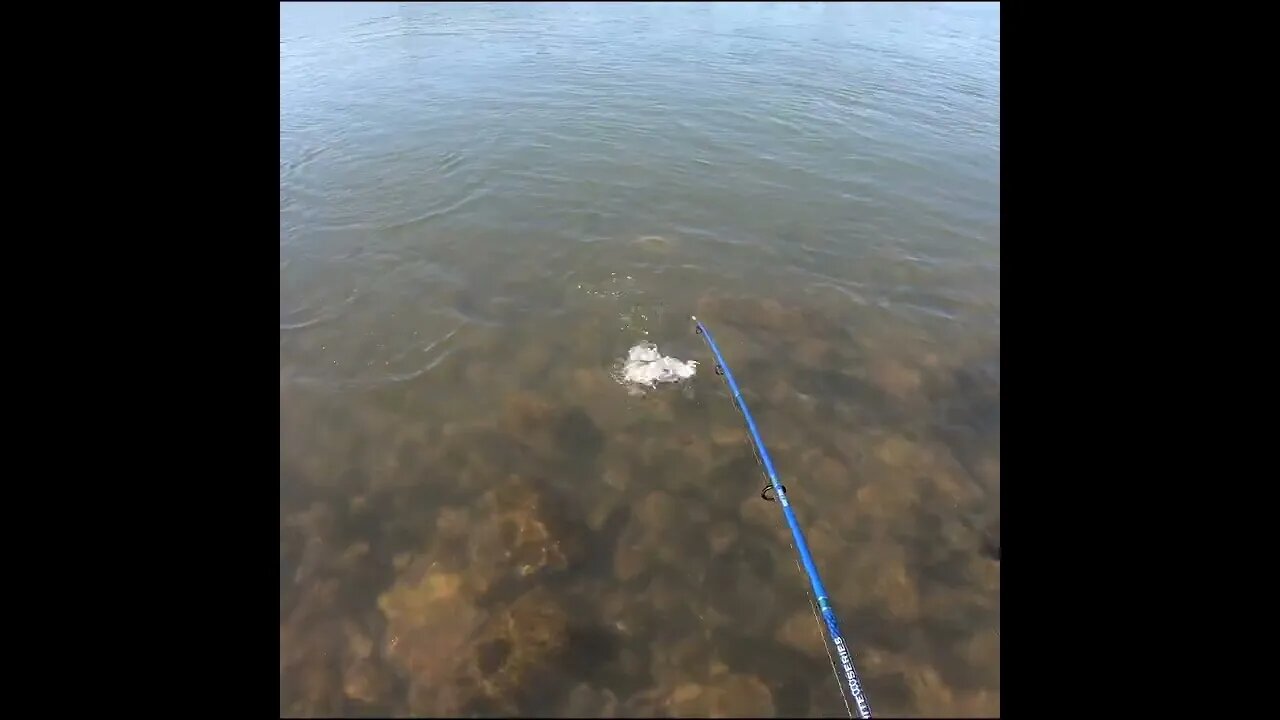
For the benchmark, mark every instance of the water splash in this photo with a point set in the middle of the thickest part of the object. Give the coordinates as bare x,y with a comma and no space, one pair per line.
644,366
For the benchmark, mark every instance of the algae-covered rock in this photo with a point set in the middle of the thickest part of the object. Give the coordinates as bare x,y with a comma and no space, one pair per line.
520,531
895,378
802,632
530,419
514,531
311,643
514,644
724,696
456,655
459,653
586,701
365,681
646,539
722,535
550,431
430,626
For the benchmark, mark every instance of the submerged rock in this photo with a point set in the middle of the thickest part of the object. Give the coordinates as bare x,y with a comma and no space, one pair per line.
459,653
620,612
725,696
814,352
551,432
898,592
728,434
880,502
586,701
741,587
764,516
517,534
473,458
988,472
766,315
687,659
991,541
895,379
457,656
429,625
930,694
647,703
530,420
897,451
654,243
981,652
452,523
364,681
532,360
834,479
647,537
861,584
514,644
598,394
311,649
802,632
721,536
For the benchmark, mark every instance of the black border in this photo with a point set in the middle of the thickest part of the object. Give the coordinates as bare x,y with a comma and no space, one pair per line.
185,100
1075,280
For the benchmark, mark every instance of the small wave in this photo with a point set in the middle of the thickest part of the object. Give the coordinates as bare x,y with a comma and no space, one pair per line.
305,323
367,379
430,364
405,377
439,212
838,287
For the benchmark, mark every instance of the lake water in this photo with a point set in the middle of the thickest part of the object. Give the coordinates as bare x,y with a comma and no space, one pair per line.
483,207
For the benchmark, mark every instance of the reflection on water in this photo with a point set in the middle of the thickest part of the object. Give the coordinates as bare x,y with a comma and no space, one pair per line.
477,518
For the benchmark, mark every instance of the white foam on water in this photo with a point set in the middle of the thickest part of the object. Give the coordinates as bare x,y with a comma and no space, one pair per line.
645,366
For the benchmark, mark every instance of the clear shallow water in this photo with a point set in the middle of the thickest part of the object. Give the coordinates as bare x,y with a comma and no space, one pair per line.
482,208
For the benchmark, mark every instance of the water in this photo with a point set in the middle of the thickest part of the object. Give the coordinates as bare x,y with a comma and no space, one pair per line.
483,208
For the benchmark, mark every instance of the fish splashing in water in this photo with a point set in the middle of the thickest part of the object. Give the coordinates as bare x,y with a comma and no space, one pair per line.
646,367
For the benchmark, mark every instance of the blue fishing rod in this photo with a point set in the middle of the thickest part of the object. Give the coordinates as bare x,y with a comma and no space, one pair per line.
850,685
